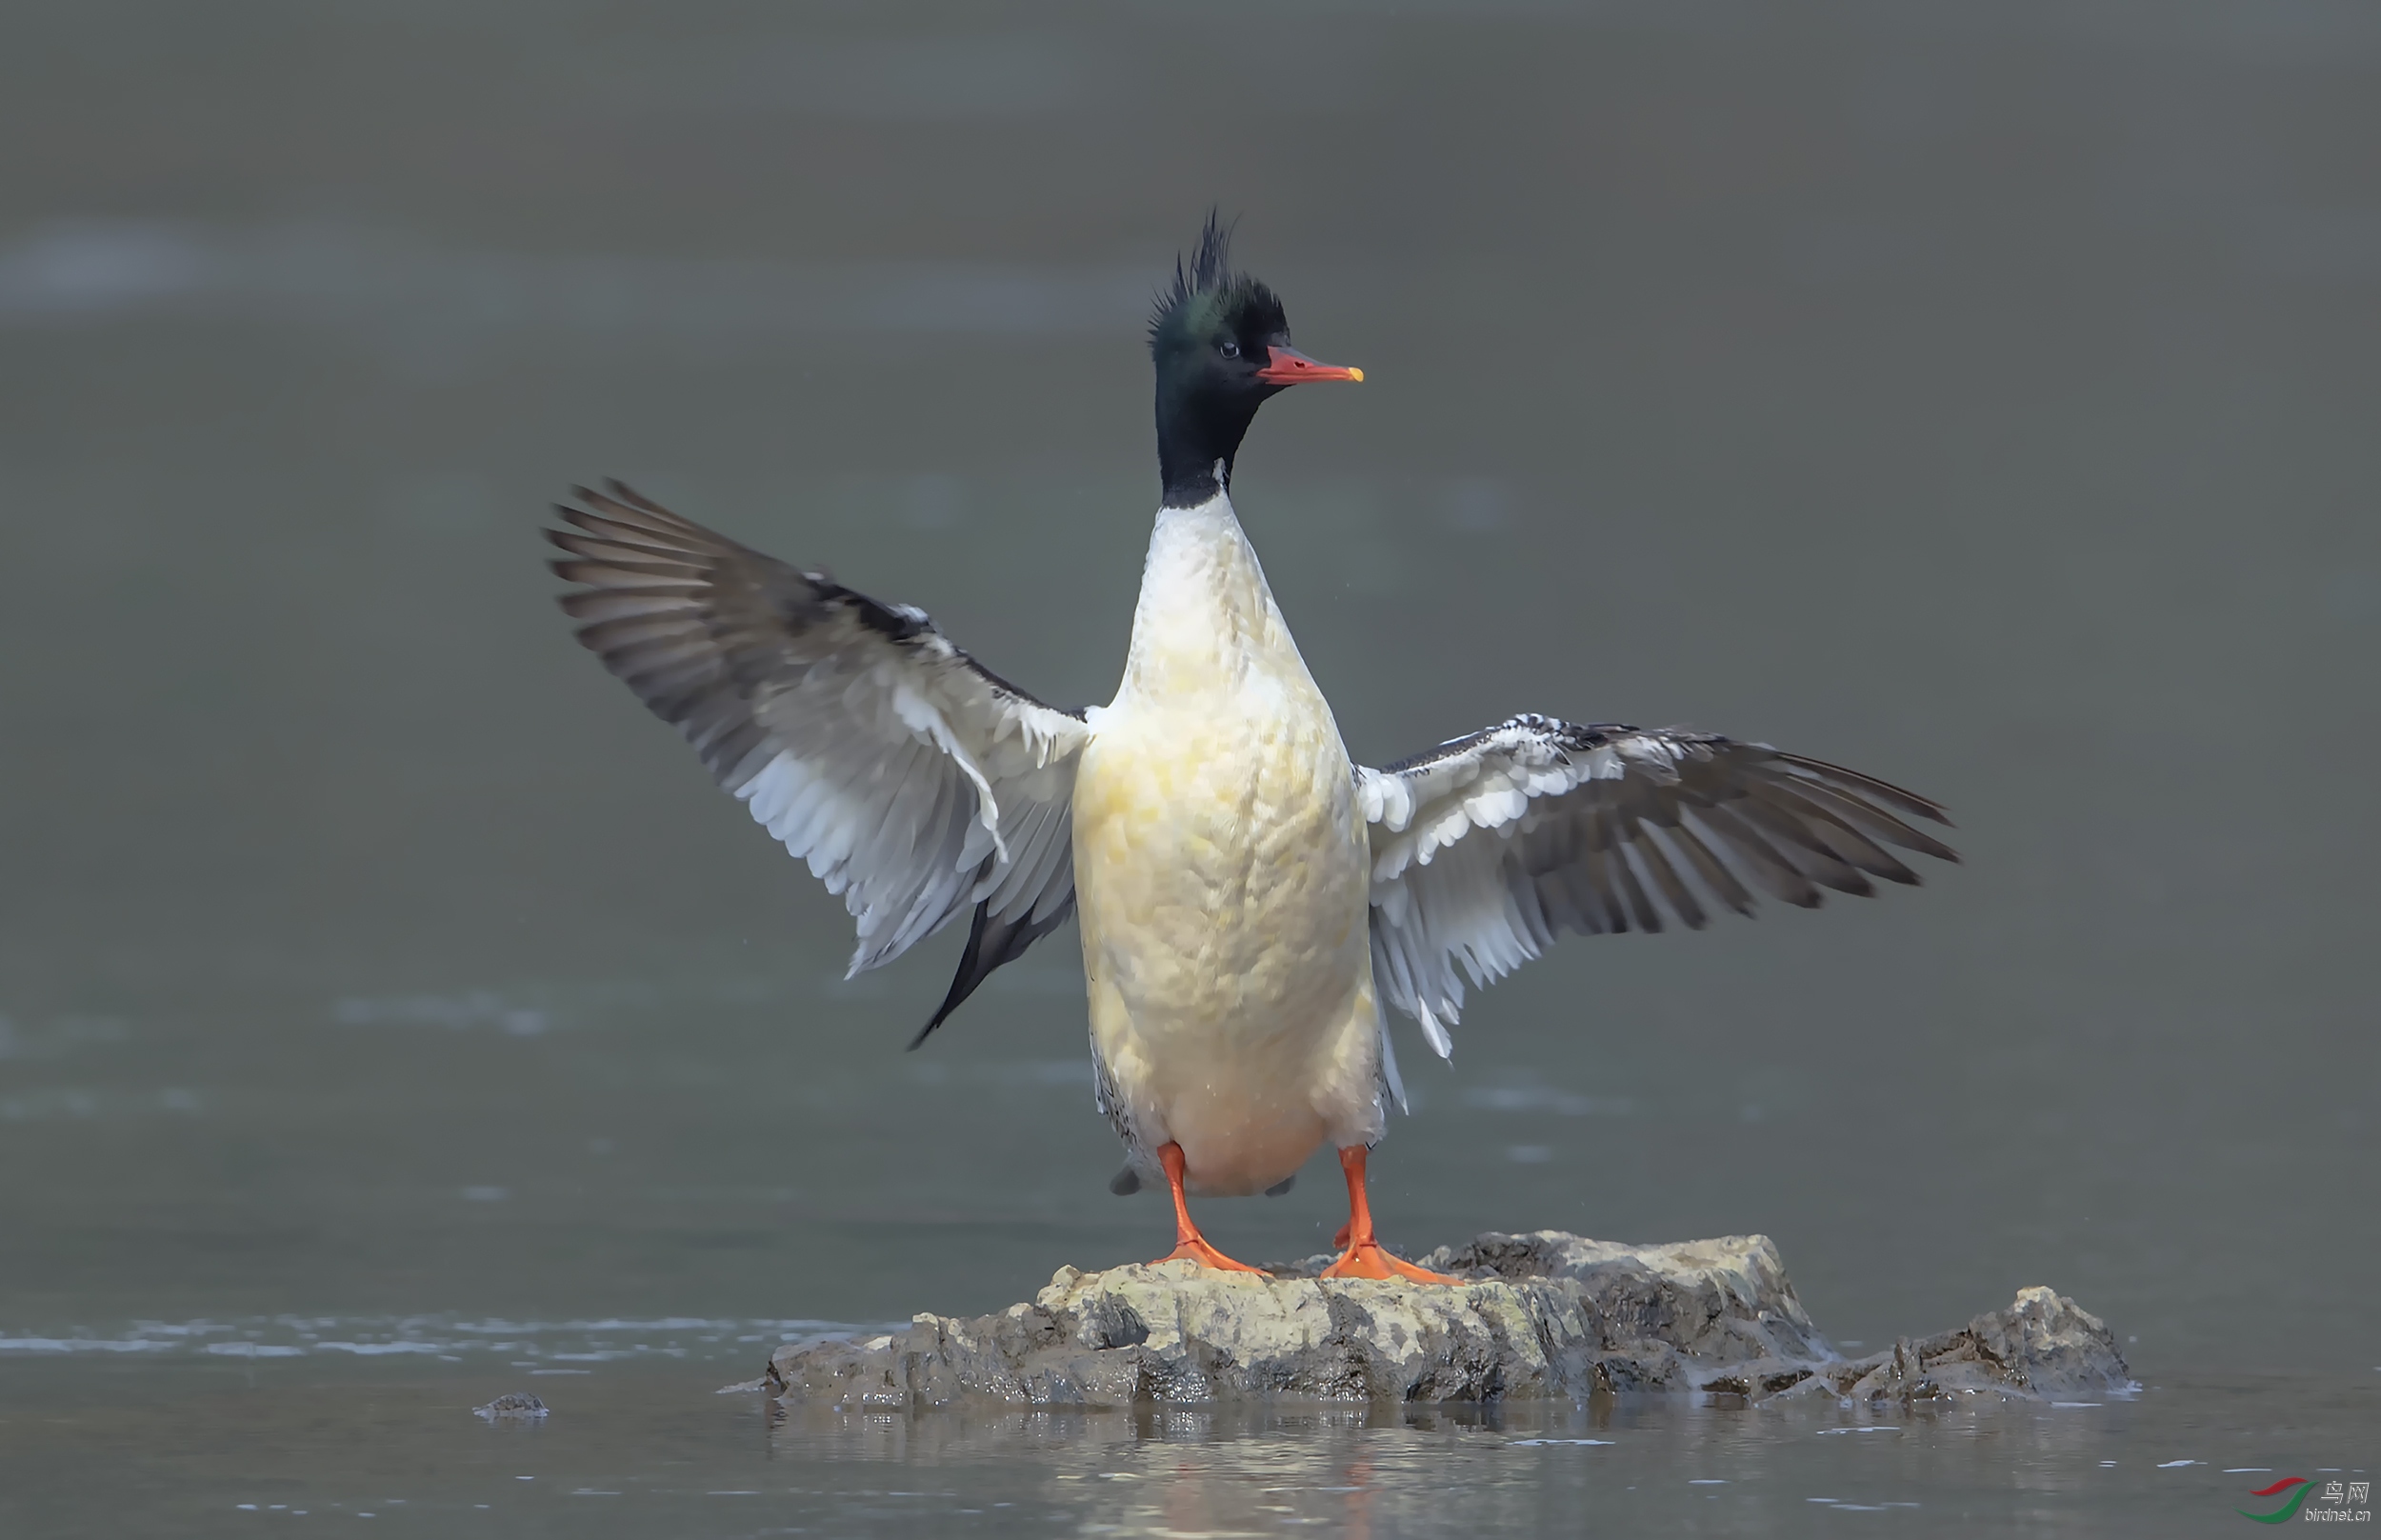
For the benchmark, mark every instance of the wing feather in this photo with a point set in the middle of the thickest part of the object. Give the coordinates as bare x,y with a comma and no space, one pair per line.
913,782
1491,846
1722,883
1675,892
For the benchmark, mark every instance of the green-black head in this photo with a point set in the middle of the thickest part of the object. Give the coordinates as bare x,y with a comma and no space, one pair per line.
1222,347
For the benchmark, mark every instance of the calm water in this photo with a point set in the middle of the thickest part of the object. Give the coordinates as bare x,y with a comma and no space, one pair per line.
175,1446
1978,396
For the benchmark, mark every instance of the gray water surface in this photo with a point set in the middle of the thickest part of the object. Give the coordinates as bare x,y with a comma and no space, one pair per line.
273,1449
1978,396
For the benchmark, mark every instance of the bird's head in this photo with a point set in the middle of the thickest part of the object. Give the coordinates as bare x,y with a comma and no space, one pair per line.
1221,344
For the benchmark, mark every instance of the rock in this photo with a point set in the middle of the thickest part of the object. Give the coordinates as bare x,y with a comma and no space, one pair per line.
1545,1316
513,1406
2042,1346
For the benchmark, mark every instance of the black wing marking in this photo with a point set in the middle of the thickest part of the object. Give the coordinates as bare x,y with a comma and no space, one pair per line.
1487,847
915,782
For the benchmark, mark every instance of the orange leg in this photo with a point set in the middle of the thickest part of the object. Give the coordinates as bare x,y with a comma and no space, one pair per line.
1363,1256
1189,1243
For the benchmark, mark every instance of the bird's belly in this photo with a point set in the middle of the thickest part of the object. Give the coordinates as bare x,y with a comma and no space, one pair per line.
1220,873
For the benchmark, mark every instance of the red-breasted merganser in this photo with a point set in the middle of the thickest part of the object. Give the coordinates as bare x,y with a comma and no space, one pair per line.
1249,897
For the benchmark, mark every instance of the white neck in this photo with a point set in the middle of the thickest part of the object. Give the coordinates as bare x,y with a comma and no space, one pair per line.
1206,622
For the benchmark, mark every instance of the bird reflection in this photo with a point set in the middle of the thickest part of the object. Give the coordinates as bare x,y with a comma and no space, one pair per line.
1180,1471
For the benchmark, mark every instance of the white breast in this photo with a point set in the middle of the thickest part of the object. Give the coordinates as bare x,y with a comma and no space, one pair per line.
1221,872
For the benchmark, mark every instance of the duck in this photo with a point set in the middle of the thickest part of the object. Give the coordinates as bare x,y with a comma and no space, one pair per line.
1254,904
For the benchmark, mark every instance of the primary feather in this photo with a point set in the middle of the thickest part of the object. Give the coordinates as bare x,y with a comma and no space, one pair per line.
915,783
1489,846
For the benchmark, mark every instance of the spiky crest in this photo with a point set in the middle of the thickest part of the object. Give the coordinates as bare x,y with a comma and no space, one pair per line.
1211,336
1207,276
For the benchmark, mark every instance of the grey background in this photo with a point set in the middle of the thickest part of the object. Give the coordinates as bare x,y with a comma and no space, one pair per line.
1979,396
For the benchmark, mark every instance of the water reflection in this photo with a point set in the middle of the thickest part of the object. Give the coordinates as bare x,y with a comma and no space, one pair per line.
1211,1471
1650,1463
641,1446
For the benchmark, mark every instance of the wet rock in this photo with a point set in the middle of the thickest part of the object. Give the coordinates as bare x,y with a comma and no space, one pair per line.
1544,1317
512,1407
2042,1345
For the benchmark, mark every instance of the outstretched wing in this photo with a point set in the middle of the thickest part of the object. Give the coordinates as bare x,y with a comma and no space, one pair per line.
1487,847
913,781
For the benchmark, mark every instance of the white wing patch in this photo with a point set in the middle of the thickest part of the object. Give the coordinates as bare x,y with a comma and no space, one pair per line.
915,784
1488,848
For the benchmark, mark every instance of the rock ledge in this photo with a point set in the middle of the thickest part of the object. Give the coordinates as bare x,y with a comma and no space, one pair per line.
1544,1317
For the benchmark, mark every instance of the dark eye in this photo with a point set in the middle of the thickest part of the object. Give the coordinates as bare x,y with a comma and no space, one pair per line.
1231,350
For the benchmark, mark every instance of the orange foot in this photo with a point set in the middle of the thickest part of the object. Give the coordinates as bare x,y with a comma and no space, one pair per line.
1371,1260
1196,1249
1363,1256
1189,1246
